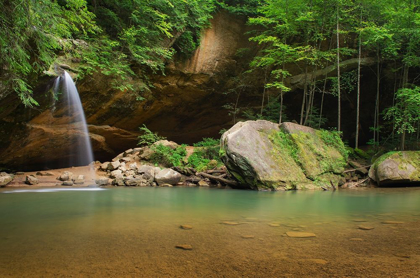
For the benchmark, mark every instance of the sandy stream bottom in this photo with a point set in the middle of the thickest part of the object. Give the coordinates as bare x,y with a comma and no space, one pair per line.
147,249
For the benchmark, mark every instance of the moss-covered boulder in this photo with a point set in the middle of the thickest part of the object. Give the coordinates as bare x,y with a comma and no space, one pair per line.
395,168
262,155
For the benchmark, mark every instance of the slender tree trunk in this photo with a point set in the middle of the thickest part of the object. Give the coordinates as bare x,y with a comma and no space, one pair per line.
305,91
378,84
358,86
263,96
338,72
281,96
236,108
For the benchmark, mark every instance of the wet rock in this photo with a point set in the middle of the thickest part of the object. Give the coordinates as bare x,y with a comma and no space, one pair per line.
31,180
65,176
5,179
230,223
116,173
366,228
396,168
44,174
114,165
102,181
184,246
79,180
392,222
118,182
165,185
203,183
359,220
167,176
67,183
300,234
186,227
133,181
104,166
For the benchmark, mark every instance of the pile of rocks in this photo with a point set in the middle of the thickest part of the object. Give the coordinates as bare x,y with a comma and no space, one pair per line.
69,179
133,168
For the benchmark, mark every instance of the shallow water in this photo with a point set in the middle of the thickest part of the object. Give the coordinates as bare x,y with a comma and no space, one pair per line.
132,232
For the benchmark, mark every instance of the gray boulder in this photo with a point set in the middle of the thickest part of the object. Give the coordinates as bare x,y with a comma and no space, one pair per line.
31,180
396,168
79,180
5,179
261,155
167,176
65,176
102,181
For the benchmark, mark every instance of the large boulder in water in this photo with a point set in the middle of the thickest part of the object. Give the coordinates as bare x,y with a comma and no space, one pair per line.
263,155
5,179
396,168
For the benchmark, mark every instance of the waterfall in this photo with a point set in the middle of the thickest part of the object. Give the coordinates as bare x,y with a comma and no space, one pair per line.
81,153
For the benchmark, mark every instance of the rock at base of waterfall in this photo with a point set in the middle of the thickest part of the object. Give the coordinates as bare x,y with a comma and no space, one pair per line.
67,183
5,178
31,180
102,181
65,176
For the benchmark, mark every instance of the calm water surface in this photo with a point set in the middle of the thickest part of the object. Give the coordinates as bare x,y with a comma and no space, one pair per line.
132,232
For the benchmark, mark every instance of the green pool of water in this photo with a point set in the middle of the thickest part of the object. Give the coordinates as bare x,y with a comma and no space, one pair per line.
133,232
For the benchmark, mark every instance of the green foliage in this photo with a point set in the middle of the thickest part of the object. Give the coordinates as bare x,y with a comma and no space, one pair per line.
148,137
168,157
406,112
206,155
30,34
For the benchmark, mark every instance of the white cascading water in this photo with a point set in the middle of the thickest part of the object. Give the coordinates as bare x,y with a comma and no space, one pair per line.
82,153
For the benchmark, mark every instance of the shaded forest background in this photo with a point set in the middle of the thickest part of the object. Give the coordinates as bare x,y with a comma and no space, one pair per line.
317,49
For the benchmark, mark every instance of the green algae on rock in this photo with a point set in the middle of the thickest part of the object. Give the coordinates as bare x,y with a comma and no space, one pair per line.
396,168
263,155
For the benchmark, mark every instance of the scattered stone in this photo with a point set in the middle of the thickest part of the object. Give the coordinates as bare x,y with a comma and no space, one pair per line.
126,159
359,220
167,143
366,228
184,246
128,152
356,239
104,166
114,165
405,256
392,222
102,181
133,182
300,234
31,180
5,178
44,174
118,157
79,180
133,166
65,176
274,225
203,183
167,176
67,183
116,173
186,227
229,223
118,182
165,185
248,236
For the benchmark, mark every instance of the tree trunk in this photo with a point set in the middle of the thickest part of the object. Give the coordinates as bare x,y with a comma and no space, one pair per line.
358,87
305,91
338,73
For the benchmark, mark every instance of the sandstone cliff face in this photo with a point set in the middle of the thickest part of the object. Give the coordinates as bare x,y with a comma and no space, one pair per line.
185,105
